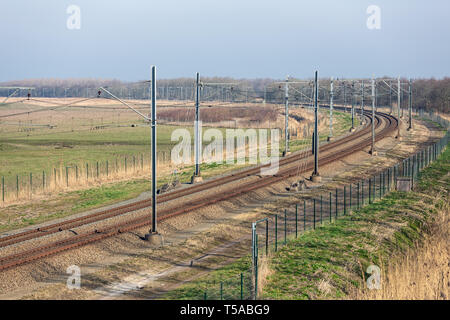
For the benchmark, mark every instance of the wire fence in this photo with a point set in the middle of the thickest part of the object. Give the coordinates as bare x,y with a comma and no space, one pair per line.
273,232
25,186
269,234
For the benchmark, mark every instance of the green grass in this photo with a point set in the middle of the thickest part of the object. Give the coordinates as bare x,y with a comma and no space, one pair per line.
45,149
340,252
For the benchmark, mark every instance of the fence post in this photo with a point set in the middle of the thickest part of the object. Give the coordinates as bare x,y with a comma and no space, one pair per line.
87,171
276,233
389,179
242,286
67,176
285,226
296,220
370,190
43,181
17,186
107,168
97,170
336,207
350,199
267,237
256,267
3,189
345,200
357,202
314,213
330,207
321,209
362,194
304,215
221,290
380,185
125,164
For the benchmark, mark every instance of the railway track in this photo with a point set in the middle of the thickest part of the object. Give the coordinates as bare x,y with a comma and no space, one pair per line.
385,125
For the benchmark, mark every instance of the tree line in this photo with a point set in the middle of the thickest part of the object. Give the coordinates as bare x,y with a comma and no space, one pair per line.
431,94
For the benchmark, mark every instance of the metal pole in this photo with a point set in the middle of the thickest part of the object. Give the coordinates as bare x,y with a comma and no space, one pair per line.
410,105
362,100
331,108
286,117
353,106
154,214
390,96
315,176
398,106
197,116
372,151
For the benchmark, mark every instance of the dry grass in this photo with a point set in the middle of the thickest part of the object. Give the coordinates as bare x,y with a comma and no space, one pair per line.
422,272
264,271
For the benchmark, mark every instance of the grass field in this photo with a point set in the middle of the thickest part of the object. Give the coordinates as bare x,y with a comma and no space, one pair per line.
330,262
46,153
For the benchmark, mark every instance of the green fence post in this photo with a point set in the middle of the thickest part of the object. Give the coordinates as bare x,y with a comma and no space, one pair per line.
17,186
67,176
380,185
345,200
242,286
142,161
97,170
357,201
107,168
205,295
134,163
3,189
304,215
267,237
389,180
285,226
314,213
321,209
350,200
336,206
256,267
87,171
370,190
276,233
296,220
125,164
43,180
221,290
362,194
330,207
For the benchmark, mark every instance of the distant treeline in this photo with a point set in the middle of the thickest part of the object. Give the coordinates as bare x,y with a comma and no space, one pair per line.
427,93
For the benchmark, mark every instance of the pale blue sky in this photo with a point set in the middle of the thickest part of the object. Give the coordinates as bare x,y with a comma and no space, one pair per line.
237,38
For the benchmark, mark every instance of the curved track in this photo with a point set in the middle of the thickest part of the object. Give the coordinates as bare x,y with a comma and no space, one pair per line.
385,125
